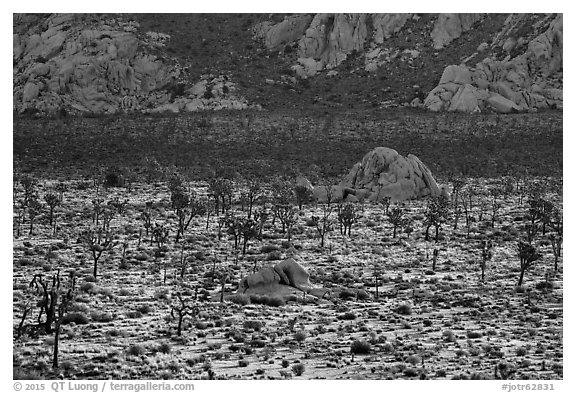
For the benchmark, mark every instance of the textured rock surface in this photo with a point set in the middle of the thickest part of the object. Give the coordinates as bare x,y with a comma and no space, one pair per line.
528,81
284,278
383,173
451,26
94,65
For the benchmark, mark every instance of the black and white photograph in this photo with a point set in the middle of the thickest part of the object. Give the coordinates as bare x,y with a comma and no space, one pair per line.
203,196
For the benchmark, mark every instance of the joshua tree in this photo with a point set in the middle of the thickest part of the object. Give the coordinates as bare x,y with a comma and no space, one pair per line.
323,223
528,254
55,302
348,215
467,203
396,218
221,190
556,237
97,209
34,210
97,242
254,192
303,195
496,204
386,203
52,200
436,214
248,230
146,216
233,227
183,309
107,215
487,247
261,216
287,216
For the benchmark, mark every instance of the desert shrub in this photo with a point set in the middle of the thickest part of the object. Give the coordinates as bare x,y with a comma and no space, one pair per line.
201,325
135,350
265,249
300,336
449,336
79,318
410,372
144,309
362,295
427,322
164,348
285,363
243,363
275,301
239,299
98,316
258,299
258,343
298,369
471,334
360,347
404,309
347,294
521,351
347,316
255,325
134,314
113,178
274,256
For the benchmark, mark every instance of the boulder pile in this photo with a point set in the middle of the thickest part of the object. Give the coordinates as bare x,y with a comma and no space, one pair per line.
384,173
529,81
86,63
283,279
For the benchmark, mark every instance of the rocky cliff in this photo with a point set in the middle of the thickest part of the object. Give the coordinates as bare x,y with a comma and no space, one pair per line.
520,67
189,62
95,64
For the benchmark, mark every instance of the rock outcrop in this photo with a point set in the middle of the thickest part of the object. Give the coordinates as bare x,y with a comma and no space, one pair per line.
529,81
451,26
83,63
384,173
284,278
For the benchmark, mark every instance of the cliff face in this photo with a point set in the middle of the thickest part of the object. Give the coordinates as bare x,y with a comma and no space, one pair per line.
521,67
454,62
103,65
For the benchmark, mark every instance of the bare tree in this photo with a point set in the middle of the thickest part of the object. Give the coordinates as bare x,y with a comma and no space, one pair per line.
97,242
528,254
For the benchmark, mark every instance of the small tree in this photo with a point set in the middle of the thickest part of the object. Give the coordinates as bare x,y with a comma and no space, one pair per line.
288,216
348,214
467,204
496,204
34,210
97,210
528,254
556,237
183,309
55,302
303,195
248,230
436,214
386,203
254,192
487,247
52,200
323,224
396,218
97,242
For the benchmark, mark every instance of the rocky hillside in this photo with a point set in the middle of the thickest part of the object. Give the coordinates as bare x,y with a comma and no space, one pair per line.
189,62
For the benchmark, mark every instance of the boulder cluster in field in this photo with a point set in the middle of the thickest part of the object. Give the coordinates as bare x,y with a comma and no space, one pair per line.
383,173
